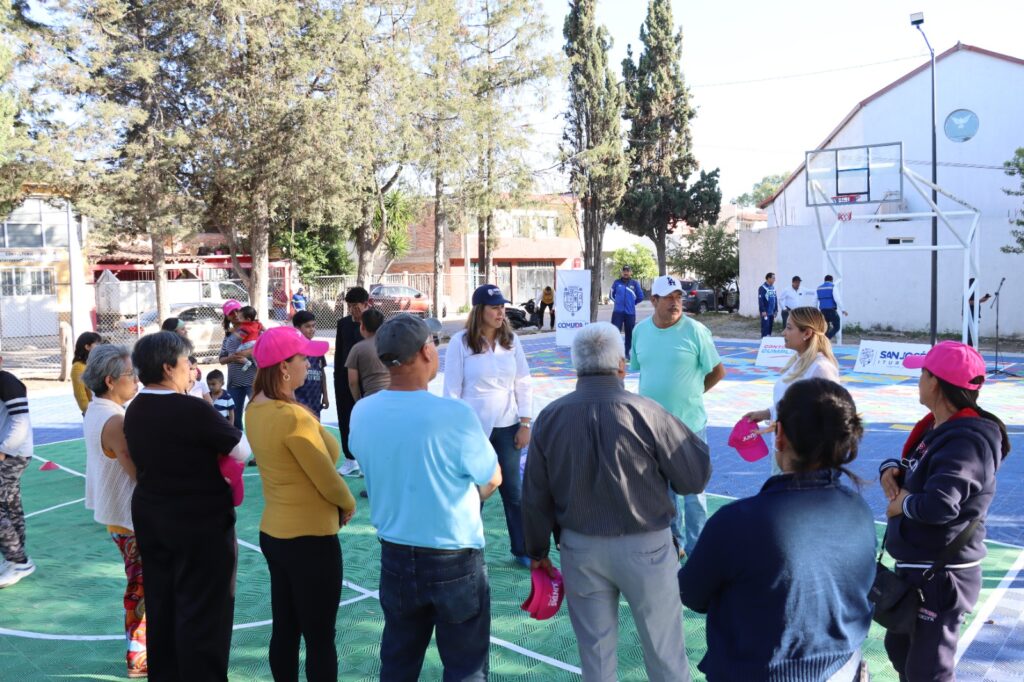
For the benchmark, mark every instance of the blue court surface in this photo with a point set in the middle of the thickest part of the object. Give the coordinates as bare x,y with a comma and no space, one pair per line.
63,621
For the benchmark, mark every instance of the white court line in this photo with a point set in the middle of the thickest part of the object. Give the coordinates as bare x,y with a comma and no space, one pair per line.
56,506
494,640
990,605
60,466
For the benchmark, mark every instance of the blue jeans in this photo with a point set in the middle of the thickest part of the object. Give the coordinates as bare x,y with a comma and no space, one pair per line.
239,394
695,507
831,316
423,590
622,321
766,325
504,441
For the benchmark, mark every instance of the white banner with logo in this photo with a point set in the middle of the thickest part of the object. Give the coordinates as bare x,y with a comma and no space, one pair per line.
886,357
572,304
773,352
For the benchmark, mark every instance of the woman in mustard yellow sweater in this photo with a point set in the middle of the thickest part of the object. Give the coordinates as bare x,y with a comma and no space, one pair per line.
85,343
306,503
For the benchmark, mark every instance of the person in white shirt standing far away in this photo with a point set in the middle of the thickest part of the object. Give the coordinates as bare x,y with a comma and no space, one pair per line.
789,299
813,359
486,367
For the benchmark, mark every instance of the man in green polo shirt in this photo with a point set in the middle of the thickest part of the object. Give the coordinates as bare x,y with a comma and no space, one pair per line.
678,363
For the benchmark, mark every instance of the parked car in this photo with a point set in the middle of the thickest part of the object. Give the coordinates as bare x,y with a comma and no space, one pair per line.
697,298
204,321
729,298
392,299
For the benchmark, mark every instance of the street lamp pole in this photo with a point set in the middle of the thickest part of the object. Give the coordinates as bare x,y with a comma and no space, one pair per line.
917,20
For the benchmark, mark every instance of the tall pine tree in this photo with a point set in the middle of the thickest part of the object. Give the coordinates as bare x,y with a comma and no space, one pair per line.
660,150
593,146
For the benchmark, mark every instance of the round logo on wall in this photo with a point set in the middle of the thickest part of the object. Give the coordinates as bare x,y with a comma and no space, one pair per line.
961,125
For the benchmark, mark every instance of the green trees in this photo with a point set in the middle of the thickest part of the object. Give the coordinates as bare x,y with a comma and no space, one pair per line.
761,190
1015,167
660,149
504,62
639,258
711,253
592,150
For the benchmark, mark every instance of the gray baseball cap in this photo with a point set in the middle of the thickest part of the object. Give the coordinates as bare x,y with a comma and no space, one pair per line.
402,336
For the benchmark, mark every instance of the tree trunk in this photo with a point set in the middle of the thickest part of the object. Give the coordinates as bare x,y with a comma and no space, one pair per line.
593,245
440,228
163,304
482,269
661,235
259,240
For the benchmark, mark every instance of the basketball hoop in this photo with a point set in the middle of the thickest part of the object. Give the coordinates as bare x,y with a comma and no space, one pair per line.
846,199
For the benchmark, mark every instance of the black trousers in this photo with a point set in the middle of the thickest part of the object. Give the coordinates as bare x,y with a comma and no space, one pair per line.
344,403
305,588
831,316
927,655
189,550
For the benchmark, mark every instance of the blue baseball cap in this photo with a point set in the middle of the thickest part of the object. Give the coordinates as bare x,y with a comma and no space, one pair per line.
488,294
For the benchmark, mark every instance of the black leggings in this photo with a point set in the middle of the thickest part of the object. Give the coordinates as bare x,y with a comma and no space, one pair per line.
305,588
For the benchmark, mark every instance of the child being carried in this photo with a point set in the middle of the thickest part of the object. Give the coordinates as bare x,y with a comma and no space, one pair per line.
249,330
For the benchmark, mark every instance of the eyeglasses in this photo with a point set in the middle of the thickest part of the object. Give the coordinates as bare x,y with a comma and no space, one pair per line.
130,373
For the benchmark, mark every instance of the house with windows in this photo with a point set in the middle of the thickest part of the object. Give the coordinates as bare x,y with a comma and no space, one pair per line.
532,239
40,259
979,107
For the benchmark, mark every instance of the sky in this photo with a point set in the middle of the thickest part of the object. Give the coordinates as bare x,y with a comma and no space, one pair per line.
772,79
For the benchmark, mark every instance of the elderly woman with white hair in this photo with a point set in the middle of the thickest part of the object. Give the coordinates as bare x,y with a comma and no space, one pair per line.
110,481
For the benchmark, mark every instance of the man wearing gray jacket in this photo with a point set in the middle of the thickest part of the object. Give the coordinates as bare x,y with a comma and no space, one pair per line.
600,461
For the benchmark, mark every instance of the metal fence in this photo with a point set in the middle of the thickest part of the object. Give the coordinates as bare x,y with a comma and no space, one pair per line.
35,312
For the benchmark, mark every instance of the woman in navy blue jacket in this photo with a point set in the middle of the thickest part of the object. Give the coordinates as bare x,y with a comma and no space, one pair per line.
784,576
945,480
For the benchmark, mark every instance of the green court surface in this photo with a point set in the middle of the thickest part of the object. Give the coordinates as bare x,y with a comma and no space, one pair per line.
65,620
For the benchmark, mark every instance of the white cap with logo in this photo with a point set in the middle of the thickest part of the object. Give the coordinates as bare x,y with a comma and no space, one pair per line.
665,285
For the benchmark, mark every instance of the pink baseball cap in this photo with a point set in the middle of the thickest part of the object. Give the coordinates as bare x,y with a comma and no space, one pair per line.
953,362
747,441
230,306
280,343
546,594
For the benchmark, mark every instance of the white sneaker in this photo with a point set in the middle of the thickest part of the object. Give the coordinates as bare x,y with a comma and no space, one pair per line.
350,467
13,572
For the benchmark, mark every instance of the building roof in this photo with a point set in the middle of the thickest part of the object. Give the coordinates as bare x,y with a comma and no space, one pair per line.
864,102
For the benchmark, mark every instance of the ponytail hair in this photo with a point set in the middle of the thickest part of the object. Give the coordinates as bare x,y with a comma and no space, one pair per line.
822,426
807,318
965,398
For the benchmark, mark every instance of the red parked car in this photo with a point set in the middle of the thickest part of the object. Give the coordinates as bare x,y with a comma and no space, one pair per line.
392,299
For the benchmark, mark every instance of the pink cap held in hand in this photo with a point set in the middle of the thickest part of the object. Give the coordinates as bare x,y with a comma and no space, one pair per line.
748,441
546,594
953,362
280,343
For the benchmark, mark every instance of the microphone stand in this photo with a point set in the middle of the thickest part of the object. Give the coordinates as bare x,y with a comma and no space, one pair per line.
997,371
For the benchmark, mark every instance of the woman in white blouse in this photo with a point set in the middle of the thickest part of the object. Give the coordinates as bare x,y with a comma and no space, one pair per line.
805,334
485,366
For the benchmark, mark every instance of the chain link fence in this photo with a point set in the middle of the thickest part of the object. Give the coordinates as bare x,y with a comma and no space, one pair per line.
35,311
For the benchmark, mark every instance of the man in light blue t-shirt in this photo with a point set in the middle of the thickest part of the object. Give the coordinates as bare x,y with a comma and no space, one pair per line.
428,465
678,363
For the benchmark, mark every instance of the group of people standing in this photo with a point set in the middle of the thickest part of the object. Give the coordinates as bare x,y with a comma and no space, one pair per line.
770,303
783,576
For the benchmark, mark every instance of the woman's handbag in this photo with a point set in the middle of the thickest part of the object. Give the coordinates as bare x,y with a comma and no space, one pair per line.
896,599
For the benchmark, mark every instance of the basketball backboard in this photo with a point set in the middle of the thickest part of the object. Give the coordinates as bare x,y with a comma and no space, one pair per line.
868,174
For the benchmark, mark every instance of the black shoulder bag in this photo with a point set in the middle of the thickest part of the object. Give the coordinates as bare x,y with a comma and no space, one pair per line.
896,599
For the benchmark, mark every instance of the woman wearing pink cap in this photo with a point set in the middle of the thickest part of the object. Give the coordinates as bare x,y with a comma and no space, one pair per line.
306,503
939,493
241,372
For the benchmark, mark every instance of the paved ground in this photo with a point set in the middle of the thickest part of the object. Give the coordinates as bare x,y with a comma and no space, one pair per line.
59,598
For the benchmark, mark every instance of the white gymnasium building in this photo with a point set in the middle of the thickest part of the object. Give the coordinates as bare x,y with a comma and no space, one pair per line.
980,96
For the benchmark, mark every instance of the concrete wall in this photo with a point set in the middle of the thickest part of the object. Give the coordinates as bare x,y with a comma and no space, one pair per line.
894,288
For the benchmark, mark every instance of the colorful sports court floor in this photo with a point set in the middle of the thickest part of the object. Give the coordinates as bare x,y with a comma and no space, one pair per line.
64,621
